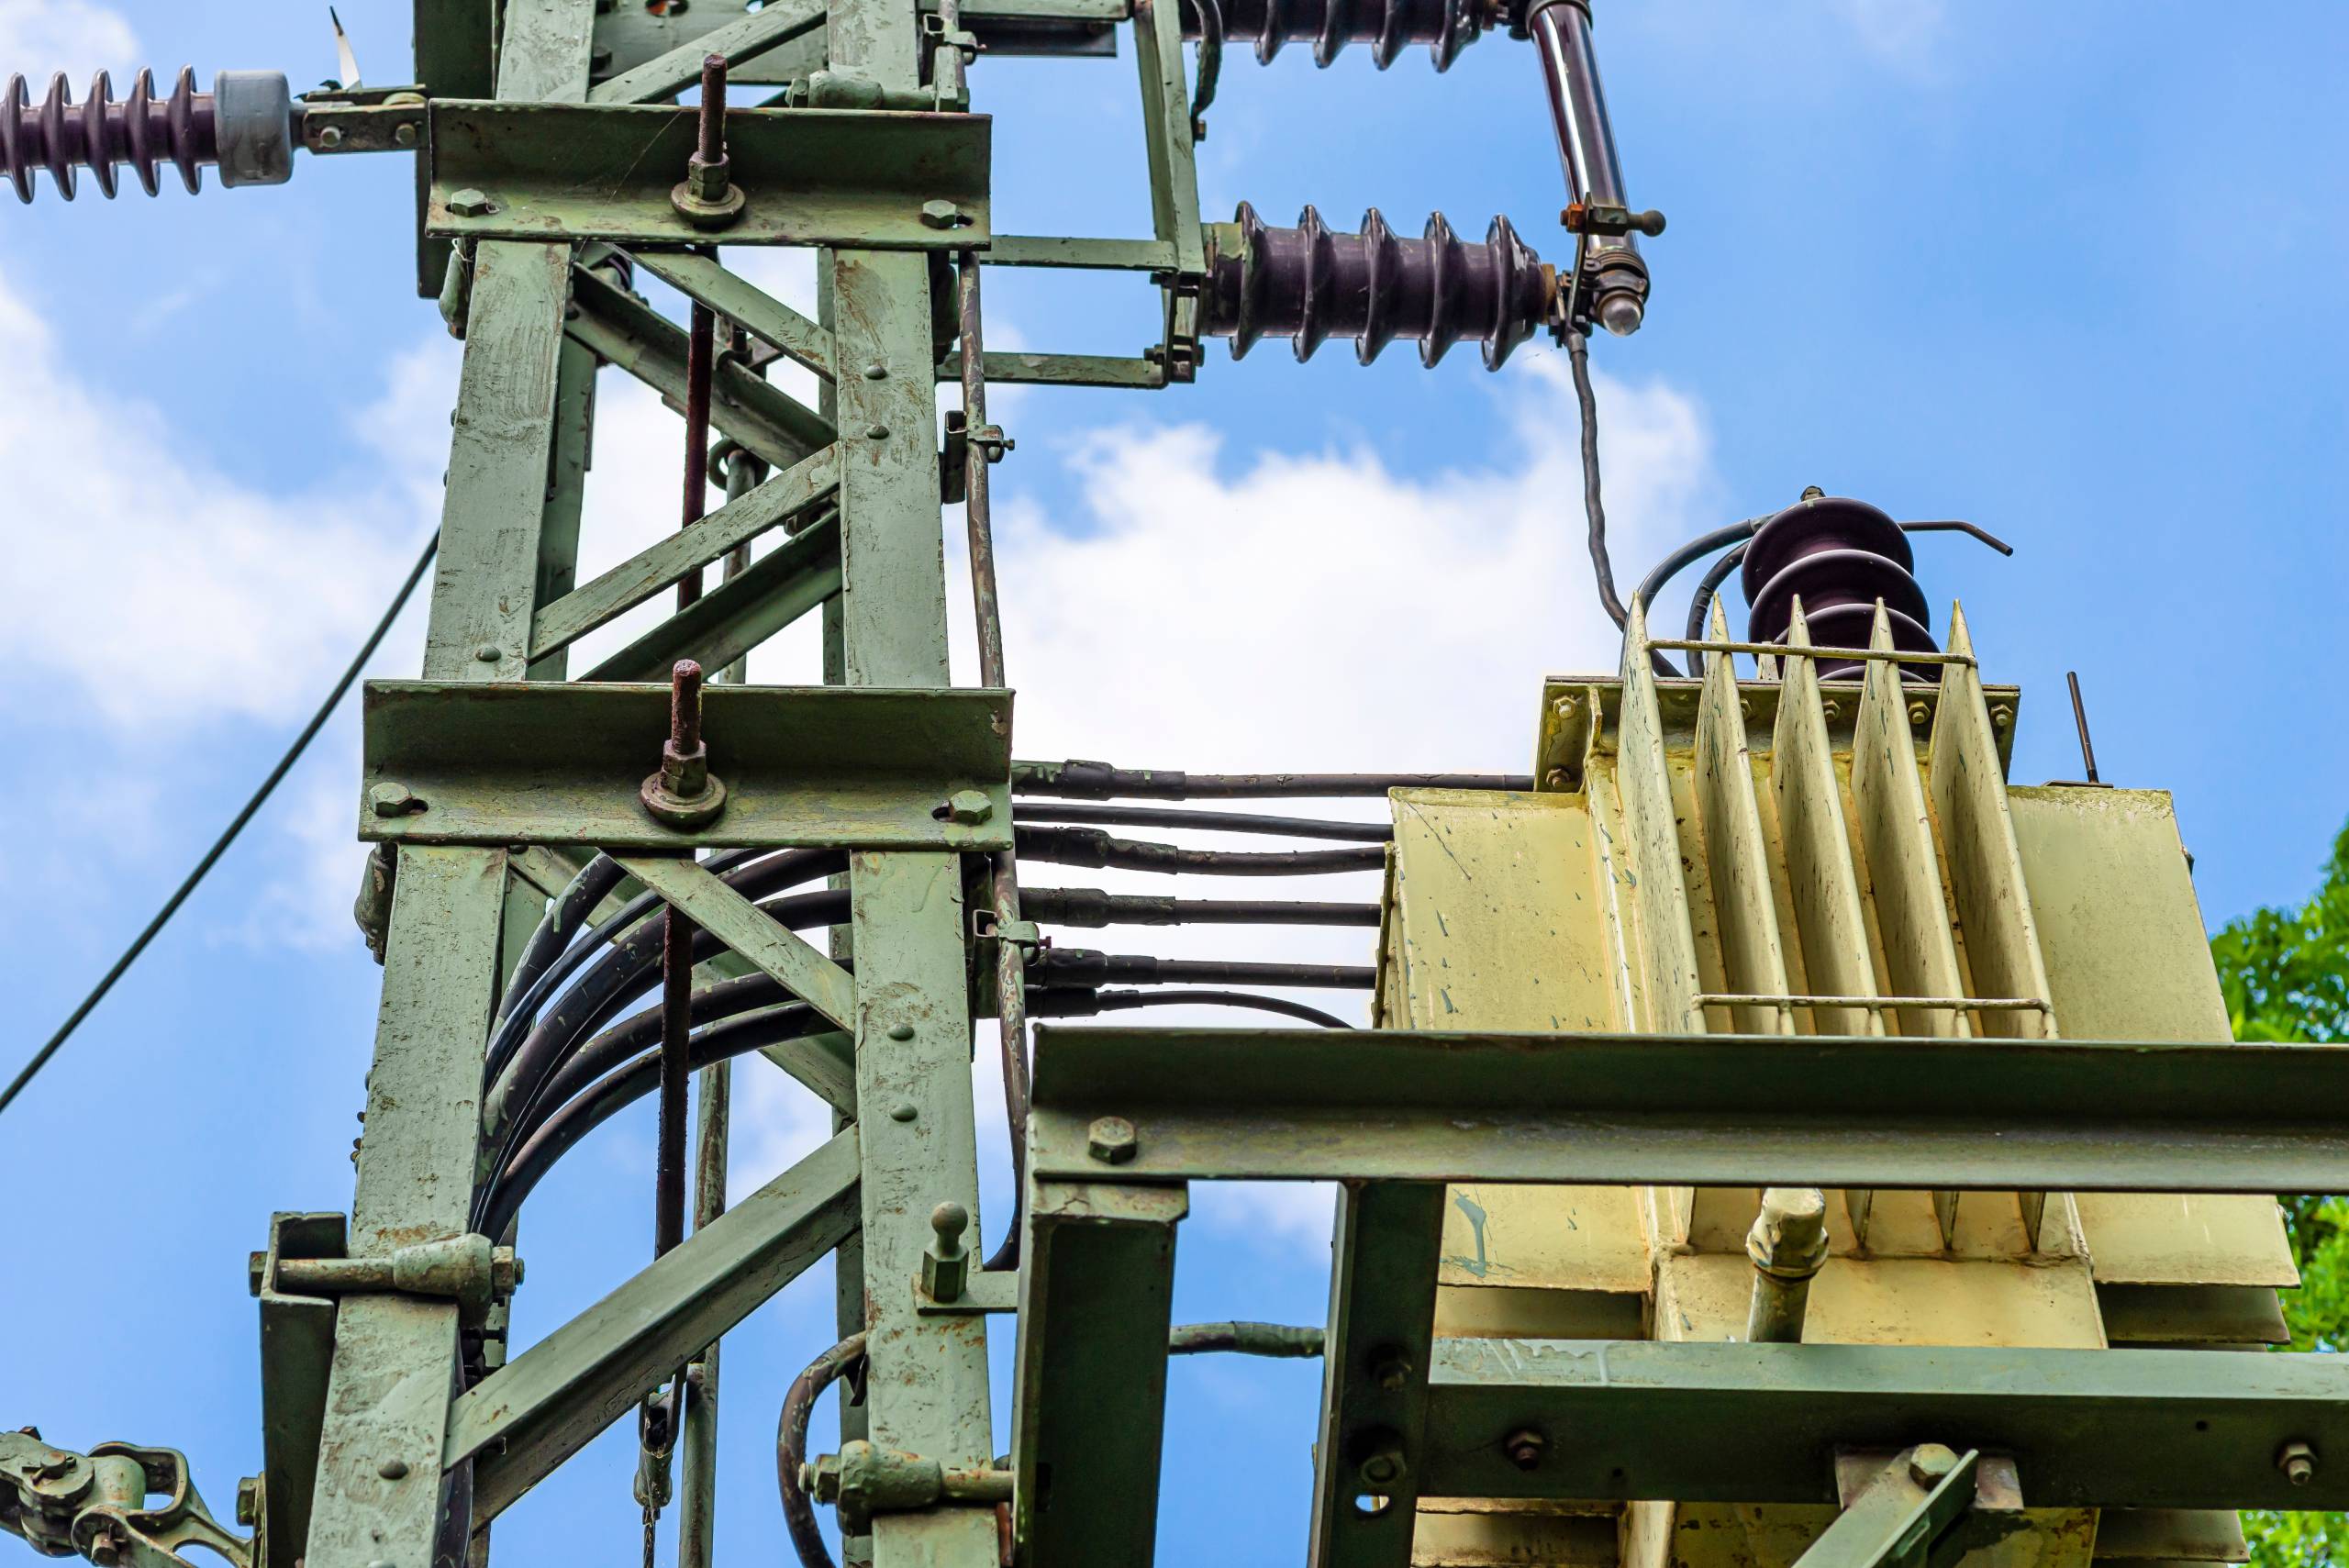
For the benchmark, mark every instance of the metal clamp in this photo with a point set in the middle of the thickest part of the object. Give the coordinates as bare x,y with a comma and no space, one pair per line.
863,1480
1600,218
470,1270
986,926
95,1505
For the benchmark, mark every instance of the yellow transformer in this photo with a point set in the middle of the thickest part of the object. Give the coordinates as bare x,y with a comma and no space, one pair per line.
1786,854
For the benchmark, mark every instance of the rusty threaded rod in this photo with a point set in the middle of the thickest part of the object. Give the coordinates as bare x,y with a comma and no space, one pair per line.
713,109
685,705
676,1000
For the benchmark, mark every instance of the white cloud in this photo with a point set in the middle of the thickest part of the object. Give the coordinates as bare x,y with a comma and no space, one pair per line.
1329,610
221,600
71,36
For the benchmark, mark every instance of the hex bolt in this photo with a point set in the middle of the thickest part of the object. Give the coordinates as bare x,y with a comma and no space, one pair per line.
470,203
1930,1464
1383,1468
2298,1462
389,799
707,198
1111,1139
943,215
249,1500
1525,1447
684,793
969,808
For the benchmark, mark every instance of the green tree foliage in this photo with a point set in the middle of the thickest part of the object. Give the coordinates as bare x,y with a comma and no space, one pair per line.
2285,974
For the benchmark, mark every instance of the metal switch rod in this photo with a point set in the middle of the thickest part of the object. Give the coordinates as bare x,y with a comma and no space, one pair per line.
1561,32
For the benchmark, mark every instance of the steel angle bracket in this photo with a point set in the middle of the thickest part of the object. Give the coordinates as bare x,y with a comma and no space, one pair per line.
297,1354
1726,1110
847,177
546,762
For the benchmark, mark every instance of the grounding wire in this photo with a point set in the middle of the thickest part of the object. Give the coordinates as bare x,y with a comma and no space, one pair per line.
228,834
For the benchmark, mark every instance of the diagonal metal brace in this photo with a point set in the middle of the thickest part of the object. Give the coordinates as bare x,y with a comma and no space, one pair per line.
1906,1518
782,954
547,1403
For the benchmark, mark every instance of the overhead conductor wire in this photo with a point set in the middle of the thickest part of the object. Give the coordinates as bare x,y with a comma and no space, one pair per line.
228,834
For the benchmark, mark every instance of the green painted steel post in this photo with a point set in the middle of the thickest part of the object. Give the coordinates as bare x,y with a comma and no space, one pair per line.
380,1494
926,1391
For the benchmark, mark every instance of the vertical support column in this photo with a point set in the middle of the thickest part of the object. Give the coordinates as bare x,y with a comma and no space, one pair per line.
1096,1296
926,1386
1370,1458
380,1493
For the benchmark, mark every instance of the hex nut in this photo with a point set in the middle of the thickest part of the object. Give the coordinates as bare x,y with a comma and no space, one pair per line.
330,137
404,136
1383,1469
390,799
1919,713
470,203
1111,1139
1930,1464
1525,1448
1391,1370
2298,1462
249,1500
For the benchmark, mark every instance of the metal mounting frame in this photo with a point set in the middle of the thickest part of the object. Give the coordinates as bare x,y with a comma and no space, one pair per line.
536,762
605,171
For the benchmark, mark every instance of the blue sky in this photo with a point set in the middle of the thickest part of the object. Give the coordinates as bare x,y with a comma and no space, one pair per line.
2070,272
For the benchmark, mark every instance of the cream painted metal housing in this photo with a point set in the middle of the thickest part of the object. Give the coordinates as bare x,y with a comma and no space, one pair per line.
1780,854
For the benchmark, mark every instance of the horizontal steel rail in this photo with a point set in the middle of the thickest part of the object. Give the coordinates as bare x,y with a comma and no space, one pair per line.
1760,1423
2003,1115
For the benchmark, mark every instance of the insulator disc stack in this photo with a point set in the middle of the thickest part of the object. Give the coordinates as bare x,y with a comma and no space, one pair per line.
1839,557
1446,26
1309,284
143,130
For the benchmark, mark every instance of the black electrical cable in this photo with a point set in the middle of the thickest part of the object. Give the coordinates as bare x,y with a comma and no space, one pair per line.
1092,907
609,984
1078,779
1074,1003
520,1170
1215,821
565,914
517,1018
1080,966
228,834
1092,847
791,1447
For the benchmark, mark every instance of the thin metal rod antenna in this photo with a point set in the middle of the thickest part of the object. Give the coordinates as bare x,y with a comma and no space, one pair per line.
2081,722
228,834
